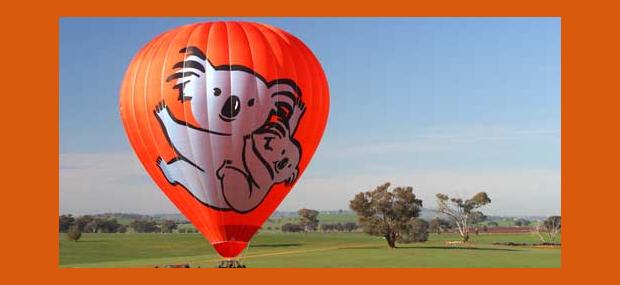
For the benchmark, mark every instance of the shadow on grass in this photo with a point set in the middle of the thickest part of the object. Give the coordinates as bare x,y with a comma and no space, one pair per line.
434,247
276,245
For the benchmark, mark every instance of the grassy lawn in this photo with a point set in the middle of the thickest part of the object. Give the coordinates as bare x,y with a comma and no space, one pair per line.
275,249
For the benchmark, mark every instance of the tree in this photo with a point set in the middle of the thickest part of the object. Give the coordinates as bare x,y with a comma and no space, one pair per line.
550,229
82,221
91,227
493,224
350,226
386,213
308,219
108,225
65,221
74,233
477,217
144,226
521,223
168,226
292,228
326,227
122,229
439,225
417,231
461,212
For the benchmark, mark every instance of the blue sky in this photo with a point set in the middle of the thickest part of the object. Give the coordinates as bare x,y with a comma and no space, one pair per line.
453,105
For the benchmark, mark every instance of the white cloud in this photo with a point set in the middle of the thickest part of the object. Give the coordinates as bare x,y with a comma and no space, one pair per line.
447,138
91,183
94,183
530,192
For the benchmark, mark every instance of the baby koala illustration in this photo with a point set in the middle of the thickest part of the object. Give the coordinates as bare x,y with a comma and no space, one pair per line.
271,156
243,142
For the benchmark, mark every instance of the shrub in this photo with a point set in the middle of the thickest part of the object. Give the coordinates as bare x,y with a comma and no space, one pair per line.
74,233
292,228
417,231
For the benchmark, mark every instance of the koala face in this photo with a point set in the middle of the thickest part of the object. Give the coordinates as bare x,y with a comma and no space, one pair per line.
226,99
279,151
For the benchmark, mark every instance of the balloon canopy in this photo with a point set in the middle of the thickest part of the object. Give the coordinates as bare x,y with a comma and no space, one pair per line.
225,117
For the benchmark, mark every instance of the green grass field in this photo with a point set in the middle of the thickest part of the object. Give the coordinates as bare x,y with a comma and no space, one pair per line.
275,249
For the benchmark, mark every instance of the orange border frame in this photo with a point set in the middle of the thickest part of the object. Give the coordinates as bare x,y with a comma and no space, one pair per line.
589,143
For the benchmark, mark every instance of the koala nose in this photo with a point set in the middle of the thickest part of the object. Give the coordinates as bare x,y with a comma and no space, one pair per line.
282,163
231,107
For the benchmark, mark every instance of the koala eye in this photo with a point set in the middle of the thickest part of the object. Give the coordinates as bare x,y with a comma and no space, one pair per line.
217,91
267,145
251,102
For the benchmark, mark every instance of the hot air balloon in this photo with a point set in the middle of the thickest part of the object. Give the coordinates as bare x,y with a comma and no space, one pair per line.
225,117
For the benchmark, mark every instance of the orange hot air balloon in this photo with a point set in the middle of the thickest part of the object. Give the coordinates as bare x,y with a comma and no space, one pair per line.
225,117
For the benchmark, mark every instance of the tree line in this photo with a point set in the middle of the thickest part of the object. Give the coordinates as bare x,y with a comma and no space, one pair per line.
75,226
309,222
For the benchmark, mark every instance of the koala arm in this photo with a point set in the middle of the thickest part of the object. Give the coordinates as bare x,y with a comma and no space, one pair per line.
298,111
259,170
238,189
178,134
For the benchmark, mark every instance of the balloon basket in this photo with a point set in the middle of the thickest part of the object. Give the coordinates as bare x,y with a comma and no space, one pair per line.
230,263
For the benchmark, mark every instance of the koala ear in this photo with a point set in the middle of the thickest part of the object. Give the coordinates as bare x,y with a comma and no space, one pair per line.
209,68
195,59
286,98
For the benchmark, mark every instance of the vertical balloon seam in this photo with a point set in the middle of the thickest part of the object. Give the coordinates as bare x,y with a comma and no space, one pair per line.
123,106
252,45
181,197
226,228
162,97
323,90
142,153
232,230
253,68
309,78
131,122
149,57
289,59
290,62
192,146
275,74
313,67
316,71
147,113
218,214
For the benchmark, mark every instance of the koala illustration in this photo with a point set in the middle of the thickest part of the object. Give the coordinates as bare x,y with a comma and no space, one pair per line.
244,137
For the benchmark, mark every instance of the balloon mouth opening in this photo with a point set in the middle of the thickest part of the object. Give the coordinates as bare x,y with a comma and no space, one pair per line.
229,249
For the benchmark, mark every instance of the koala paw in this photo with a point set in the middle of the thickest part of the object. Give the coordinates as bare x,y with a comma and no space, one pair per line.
220,171
161,106
293,177
163,166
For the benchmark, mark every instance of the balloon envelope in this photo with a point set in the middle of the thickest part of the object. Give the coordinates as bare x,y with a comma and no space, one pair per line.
225,117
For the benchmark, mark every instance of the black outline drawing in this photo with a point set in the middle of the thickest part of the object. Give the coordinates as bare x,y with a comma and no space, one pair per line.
277,126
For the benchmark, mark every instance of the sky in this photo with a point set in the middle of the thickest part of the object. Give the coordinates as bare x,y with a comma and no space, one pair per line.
450,105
